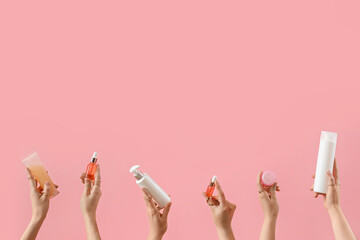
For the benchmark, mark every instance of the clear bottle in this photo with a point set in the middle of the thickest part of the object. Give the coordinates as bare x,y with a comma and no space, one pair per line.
145,181
91,167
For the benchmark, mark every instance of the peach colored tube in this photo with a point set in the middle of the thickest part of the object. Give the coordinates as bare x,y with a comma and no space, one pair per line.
38,170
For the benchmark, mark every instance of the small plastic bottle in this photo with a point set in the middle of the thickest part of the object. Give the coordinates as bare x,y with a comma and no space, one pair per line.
268,178
91,167
145,181
211,188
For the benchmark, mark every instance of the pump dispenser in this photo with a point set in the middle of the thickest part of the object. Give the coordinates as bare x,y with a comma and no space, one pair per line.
145,181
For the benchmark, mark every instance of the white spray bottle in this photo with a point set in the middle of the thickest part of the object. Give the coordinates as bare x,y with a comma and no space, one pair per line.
145,181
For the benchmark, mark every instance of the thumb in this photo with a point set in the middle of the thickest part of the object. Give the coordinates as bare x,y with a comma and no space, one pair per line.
46,193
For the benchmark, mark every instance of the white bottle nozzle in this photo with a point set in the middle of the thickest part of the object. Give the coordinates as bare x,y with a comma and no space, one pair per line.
95,155
213,179
137,174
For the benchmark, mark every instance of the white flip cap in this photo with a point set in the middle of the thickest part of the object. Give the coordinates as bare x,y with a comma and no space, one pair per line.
94,155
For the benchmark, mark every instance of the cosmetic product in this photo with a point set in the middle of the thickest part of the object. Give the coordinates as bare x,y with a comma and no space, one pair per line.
325,160
145,181
39,172
210,189
91,167
268,178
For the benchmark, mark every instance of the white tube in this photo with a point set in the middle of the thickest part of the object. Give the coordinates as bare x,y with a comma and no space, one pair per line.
325,160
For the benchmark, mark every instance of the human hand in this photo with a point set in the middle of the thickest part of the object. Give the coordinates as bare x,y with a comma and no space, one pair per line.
39,197
332,196
91,195
222,212
157,220
268,199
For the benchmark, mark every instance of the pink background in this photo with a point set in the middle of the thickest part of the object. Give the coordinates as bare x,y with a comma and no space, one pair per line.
186,89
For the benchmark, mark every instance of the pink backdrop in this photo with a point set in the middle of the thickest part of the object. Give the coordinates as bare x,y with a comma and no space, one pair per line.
186,89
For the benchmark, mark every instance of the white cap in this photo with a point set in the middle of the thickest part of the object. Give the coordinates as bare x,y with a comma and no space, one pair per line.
94,155
213,179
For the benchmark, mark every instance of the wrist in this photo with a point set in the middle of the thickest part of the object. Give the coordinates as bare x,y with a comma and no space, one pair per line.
270,218
89,216
334,210
38,218
225,232
155,236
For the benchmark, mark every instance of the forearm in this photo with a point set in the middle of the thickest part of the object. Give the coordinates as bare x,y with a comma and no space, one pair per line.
33,228
92,230
268,229
225,233
341,227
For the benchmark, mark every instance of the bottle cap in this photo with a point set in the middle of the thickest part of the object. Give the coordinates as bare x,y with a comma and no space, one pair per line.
268,178
137,174
94,158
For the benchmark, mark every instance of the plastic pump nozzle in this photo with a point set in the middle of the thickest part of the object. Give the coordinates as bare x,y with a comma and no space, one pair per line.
137,174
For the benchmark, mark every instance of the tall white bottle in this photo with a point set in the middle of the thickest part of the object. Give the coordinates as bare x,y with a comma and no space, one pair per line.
325,160
145,181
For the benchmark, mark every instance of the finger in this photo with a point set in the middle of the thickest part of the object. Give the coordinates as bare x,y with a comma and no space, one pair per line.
316,195
313,176
148,200
87,186
82,176
273,191
278,188
46,193
336,172
258,183
31,179
312,188
97,177
330,180
56,186
166,210
221,193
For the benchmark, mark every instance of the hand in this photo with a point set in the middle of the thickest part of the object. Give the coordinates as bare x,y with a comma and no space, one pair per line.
222,212
89,202
340,225
332,197
91,195
157,220
268,199
39,197
40,206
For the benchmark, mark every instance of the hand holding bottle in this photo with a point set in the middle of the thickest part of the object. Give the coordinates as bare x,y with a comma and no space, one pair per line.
341,227
270,207
89,202
157,220
40,206
222,212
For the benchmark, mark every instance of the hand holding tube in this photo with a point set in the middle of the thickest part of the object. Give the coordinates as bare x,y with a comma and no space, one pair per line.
341,227
40,206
